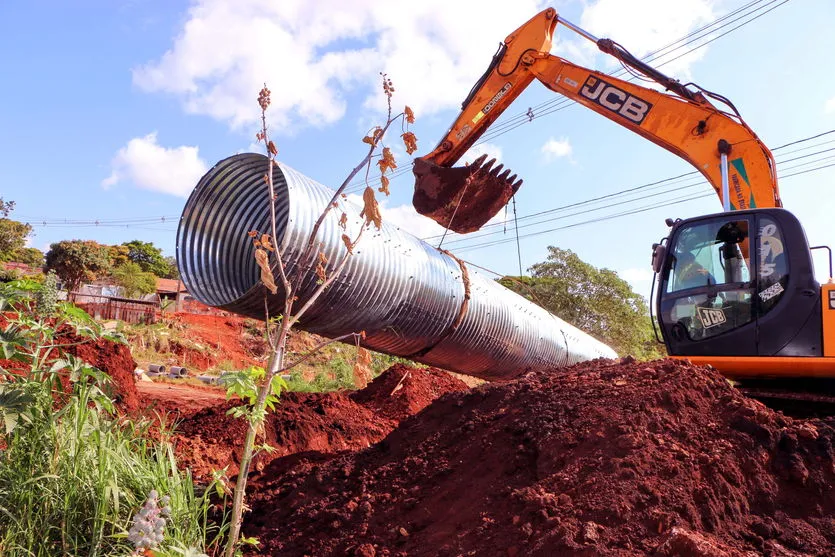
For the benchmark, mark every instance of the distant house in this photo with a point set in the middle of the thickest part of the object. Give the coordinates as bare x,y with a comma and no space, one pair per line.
169,292
173,296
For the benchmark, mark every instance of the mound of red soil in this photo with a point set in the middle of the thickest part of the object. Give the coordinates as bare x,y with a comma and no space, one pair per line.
112,358
303,422
604,458
222,339
404,390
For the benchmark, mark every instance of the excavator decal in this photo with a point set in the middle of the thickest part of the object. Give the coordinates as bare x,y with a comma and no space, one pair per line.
620,102
742,192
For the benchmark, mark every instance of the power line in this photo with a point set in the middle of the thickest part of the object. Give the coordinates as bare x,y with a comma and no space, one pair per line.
618,215
561,102
657,184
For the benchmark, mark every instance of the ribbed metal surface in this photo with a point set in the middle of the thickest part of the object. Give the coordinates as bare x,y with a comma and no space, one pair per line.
402,292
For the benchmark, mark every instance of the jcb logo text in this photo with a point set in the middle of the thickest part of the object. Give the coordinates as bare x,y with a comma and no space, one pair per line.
611,98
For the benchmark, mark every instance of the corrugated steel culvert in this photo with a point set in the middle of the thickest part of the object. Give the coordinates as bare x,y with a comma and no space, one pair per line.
405,294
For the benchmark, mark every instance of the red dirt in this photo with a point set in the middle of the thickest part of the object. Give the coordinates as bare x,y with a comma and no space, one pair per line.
405,390
222,336
207,439
176,400
604,458
113,359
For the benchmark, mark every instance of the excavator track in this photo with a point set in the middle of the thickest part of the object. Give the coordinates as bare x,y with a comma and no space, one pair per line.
806,398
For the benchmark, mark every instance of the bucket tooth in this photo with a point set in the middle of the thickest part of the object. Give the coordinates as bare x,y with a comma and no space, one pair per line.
464,198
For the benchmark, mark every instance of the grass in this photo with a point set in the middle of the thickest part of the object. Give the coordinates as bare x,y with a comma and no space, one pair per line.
329,369
72,470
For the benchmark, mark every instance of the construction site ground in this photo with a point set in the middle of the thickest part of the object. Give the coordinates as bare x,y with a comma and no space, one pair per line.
602,458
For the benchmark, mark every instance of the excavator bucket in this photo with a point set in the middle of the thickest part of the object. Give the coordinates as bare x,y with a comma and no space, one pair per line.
462,199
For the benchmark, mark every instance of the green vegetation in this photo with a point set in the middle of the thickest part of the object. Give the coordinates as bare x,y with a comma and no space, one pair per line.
150,259
594,300
77,261
73,473
134,280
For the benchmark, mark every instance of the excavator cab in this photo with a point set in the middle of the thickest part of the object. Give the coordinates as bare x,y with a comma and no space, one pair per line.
739,283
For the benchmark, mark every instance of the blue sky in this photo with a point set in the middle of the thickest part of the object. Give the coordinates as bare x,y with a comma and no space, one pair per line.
111,110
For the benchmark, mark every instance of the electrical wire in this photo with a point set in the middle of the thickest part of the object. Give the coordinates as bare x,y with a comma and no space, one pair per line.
482,245
675,181
554,105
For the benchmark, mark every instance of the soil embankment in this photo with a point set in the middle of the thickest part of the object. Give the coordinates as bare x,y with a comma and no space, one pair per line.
604,458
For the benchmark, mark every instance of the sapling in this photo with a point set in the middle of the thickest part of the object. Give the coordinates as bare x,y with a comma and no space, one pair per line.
265,386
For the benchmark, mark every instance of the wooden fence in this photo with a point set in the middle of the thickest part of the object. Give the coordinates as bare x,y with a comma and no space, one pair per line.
111,307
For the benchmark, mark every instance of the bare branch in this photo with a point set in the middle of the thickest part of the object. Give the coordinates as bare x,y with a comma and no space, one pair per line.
334,274
312,351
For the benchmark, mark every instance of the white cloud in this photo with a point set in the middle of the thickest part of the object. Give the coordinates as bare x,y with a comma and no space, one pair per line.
829,107
153,167
636,274
313,54
556,148
642,26
492,151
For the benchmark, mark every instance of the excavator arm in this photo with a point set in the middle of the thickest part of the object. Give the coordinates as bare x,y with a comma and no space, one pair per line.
718,143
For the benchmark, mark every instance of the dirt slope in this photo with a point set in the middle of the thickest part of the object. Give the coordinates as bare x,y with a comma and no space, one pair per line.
207,439
605,458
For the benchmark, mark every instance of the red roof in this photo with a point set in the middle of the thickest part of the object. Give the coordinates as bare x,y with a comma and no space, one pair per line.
170,285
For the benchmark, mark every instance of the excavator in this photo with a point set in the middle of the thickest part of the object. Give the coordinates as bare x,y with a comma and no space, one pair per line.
735,289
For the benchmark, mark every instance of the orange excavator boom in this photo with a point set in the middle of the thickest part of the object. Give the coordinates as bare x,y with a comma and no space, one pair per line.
681,119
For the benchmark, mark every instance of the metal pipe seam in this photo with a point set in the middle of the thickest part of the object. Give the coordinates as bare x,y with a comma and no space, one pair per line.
410,298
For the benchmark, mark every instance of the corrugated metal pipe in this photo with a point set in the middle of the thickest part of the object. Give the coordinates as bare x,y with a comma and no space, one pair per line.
411,299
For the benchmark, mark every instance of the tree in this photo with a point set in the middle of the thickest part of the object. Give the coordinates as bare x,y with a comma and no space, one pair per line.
78,261
118,255
6,207
31,256
594,300
13,235
173,271
260,387
149,257
134,280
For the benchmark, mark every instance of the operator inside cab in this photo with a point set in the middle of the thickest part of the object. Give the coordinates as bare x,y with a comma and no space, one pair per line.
710,268
690,273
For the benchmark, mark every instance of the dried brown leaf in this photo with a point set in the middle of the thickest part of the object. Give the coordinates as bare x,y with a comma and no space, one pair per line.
320,272
272,148
410,141
371,209
374,136
384,185
323,259
386,161
347,241
266,242
343,221
253,233
263,260
410,116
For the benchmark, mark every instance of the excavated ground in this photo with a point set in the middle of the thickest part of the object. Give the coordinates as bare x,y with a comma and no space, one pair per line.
604,458
208,439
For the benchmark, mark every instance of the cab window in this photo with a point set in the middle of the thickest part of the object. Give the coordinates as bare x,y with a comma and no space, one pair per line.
713,253
710,254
